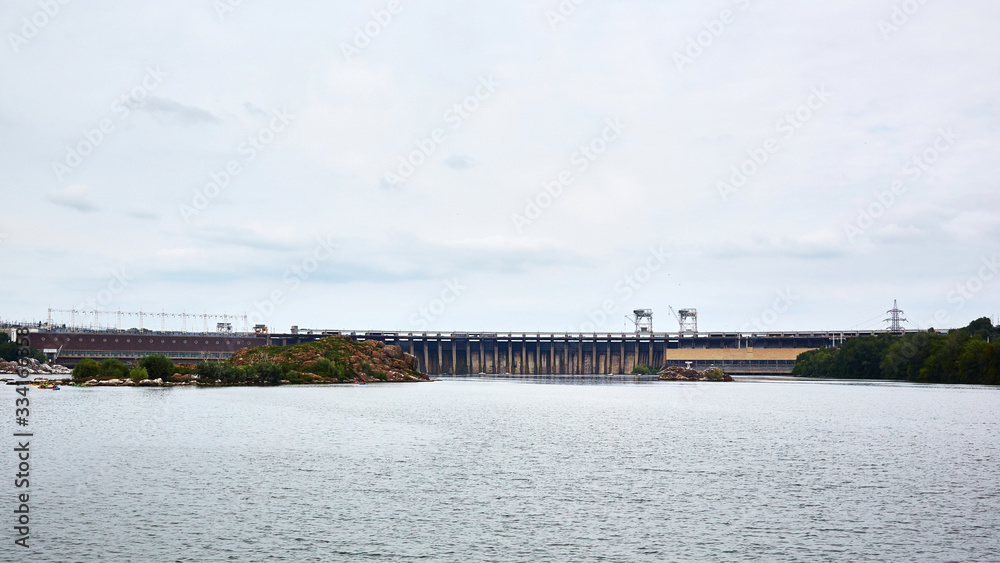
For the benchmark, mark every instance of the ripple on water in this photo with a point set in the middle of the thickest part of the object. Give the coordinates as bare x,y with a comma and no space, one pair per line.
509,471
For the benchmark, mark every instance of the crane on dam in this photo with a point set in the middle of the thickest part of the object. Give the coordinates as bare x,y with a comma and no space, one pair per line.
687,320
643,321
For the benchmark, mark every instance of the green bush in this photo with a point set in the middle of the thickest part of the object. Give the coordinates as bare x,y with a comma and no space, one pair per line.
158,366
114,369
138,374
322,367
815,363
86,369
341,373
643,370
231,374
270,374
208,372
715,374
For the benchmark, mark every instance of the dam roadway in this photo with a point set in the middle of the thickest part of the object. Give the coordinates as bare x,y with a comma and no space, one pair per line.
456,353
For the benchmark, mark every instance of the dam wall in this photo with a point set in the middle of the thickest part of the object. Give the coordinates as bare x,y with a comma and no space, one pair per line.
458,353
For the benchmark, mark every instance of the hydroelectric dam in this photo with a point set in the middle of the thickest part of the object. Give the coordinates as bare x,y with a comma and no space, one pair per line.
461,353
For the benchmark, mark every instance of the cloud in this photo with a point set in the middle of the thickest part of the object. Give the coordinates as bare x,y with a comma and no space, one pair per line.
459,162
811,246
143,214
180,252
254,237
74,197
254,110
893,233
975,225
184,113
685,132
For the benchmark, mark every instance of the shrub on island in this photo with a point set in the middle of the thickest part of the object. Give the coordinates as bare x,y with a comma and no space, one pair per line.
86,369
137,374
113,368
158,366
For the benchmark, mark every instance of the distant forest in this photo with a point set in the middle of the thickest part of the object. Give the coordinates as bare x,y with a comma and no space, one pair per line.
965,355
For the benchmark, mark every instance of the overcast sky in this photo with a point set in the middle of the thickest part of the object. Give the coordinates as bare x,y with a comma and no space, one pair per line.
383,165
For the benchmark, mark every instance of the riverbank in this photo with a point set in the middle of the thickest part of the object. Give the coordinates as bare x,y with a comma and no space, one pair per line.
330,360
35,367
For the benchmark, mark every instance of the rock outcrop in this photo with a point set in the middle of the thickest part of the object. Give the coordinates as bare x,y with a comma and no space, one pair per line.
367,361
35,367
685,374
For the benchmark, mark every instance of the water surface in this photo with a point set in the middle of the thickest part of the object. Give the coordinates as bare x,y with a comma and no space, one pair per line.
488,470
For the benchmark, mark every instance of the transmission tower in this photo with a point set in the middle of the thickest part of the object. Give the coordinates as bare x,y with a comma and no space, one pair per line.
895,319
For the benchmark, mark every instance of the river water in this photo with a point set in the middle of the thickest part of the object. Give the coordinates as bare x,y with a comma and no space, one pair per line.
489,470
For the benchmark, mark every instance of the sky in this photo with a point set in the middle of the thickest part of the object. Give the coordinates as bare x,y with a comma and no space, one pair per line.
506,166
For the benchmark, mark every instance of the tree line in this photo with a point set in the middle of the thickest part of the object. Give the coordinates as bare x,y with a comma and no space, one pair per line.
158,366
9,350
965,355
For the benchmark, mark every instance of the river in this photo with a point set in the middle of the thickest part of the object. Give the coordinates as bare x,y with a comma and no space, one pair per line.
472,469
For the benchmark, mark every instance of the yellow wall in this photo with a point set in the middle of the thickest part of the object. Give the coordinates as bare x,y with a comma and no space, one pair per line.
726,354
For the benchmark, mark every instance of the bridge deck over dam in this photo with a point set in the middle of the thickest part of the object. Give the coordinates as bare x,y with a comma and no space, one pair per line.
439,353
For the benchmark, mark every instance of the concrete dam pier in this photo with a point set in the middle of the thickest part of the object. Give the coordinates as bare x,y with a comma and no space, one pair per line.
599,354
458,353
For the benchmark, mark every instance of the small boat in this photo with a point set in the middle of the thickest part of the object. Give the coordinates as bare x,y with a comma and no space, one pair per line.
53,387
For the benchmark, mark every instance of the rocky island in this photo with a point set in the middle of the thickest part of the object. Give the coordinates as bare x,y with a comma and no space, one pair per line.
334,359
686,374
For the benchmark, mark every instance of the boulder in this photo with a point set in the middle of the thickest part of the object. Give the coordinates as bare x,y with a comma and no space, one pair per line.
411,361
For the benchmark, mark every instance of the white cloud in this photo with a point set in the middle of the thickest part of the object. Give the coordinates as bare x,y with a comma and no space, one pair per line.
322,174
74,197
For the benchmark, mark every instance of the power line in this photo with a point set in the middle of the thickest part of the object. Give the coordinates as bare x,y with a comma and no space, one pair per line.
96,314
